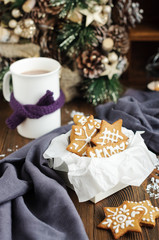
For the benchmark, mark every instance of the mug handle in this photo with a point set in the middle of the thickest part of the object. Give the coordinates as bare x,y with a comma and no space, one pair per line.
6,86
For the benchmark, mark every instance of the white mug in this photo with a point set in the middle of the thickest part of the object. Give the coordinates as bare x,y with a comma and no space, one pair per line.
29,87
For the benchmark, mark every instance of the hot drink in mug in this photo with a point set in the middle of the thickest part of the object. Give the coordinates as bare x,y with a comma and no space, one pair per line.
31,78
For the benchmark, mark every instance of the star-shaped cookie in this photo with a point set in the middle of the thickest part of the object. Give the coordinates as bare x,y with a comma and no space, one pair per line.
109,140
81,136
150,212
121,219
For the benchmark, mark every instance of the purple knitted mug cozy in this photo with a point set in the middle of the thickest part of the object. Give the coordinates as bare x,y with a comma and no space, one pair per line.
44,106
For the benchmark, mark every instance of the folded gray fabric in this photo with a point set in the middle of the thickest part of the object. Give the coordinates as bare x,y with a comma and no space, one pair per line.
34,204
139,111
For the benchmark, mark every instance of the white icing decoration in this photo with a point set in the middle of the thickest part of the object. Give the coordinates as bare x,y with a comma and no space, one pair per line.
90,126
76,145
97,124
98,152
87,139
108,222
134,213
124,208
129,223
109,136
122,225
121,218
141,207
78,133
116,149
82,120
105,150
92,155
116,228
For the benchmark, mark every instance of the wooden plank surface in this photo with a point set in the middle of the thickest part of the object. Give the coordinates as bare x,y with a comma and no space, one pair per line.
90,213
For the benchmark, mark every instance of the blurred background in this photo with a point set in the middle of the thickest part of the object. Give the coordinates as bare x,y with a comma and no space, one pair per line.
104,46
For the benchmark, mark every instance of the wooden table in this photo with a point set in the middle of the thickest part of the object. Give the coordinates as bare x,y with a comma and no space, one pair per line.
90,213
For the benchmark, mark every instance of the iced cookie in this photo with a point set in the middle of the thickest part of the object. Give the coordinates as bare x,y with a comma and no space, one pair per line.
150,212
122,219
105,151
81,120
109,140
81,136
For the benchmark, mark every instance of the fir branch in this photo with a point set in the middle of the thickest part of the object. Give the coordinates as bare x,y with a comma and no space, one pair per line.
100,89
75,36
113,88
18,3
95,90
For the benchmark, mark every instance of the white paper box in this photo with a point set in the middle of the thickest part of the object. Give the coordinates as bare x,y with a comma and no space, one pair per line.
97,178
99,196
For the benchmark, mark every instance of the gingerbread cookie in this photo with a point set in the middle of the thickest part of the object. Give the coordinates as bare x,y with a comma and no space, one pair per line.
122,219
81,120
109,140
105,151
81,136
150,212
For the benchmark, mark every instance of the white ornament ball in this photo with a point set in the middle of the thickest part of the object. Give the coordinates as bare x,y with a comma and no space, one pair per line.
18,30
4,34
28,22
16,13
105,60
107,9
107,44
12,23
112,57
14,39
104,1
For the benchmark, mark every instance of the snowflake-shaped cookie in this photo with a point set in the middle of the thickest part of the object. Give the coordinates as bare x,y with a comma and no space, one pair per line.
81,120
109,140
81,136
122,219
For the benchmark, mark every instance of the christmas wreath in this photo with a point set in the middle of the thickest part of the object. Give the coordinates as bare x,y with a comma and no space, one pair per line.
91,35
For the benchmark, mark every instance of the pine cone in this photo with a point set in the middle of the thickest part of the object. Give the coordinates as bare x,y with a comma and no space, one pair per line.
44,6
120,37
127,13
90,62
38,16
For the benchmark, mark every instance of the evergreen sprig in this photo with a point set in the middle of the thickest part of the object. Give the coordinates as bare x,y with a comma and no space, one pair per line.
100,89
75,36
18,3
